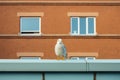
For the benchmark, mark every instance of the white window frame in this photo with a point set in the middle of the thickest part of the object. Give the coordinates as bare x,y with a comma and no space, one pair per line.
87,34
71,26
39,33
82,58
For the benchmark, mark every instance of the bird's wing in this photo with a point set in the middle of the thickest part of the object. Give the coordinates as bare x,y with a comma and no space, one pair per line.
64,50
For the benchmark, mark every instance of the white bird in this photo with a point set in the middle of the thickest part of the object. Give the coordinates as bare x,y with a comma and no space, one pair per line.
60,50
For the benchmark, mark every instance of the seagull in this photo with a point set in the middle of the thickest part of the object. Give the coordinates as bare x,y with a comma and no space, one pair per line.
60,50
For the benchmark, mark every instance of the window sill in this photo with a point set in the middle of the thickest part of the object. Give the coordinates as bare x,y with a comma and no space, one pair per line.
56,36
82,54
30,54
29,34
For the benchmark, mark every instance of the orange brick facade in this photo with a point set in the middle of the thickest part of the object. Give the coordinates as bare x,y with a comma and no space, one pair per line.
56,21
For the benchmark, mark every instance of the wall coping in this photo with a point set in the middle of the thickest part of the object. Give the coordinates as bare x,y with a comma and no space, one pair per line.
99,65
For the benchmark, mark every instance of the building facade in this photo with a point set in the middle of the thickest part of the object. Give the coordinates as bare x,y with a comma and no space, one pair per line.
84,26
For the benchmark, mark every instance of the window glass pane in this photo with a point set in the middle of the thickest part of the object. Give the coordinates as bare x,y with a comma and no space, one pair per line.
90,25
29,24
74,25
82,25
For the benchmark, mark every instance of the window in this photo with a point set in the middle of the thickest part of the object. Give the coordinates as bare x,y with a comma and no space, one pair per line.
30,22
83,25
30,25
82,58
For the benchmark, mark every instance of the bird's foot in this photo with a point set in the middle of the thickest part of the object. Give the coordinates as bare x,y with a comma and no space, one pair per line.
63,58
58,58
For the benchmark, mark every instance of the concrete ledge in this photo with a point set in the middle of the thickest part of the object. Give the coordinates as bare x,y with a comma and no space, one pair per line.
60,65
42,65
104,65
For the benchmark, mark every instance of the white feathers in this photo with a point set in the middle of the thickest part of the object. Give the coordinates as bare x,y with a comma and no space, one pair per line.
60,49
